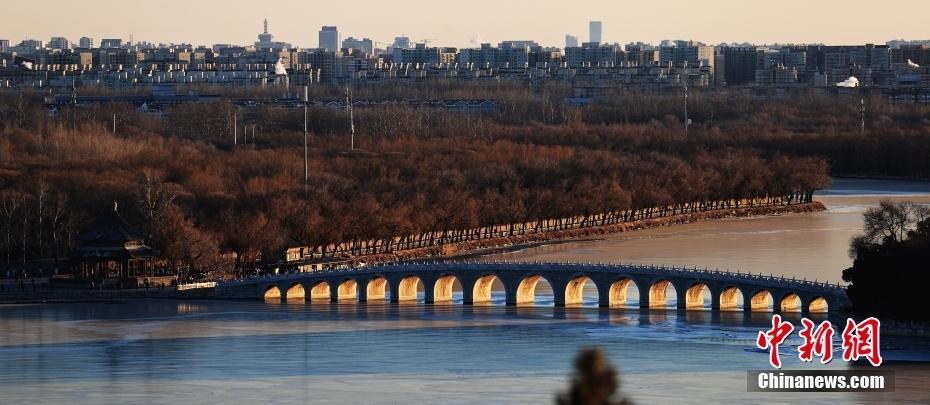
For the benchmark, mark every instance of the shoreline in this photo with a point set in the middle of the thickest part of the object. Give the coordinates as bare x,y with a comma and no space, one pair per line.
472,249
447,252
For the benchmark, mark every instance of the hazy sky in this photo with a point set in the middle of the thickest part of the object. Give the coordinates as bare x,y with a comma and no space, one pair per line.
462,23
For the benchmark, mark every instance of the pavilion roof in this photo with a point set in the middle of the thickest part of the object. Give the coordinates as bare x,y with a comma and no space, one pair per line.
112,229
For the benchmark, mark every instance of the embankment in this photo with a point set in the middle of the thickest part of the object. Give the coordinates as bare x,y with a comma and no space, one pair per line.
476,246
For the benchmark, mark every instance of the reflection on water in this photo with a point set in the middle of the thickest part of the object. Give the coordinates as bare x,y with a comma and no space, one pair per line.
253,352
118,351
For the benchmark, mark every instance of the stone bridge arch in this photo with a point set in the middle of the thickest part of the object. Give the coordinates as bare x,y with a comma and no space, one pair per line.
271,293
377,289
818,305
761,300
657,293
731,298
790,303
293,292
406,288
319,291
525,292
480,290
575,289
346,291
614,292
444,286
693,298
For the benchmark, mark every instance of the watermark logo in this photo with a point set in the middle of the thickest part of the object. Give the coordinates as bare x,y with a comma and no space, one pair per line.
817,341
860,340
774,338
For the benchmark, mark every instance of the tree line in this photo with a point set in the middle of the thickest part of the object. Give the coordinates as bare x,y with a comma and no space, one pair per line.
215,198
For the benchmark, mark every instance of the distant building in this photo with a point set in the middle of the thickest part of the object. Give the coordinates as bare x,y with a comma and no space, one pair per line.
365,46
401,43
266,41
919,54
686,53
869,63
448,56
591,54
329,39
739,66
86,43
542,57
640,54
595,33
571,41
4,45
29,48
59,43
111,43
515,54
420,54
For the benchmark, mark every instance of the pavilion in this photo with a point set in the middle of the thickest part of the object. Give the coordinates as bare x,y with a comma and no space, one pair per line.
115,252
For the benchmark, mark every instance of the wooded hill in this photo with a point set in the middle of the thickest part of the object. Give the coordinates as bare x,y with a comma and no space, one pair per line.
417,170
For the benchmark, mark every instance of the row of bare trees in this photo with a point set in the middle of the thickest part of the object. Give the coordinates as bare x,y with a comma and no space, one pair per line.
419,174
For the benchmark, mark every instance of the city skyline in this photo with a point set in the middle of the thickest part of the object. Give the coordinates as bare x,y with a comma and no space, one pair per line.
299,24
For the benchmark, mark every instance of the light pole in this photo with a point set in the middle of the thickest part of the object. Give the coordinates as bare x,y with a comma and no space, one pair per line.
687,120
306,153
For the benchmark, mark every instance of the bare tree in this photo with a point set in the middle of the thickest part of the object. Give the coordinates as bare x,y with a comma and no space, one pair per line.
41,198
58,215
9,205
154,198
891,220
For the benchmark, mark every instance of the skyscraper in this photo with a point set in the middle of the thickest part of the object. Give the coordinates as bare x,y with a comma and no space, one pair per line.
571,41
595,32
329,39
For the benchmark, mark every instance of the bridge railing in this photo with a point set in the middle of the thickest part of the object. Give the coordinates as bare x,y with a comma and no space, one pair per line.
716,274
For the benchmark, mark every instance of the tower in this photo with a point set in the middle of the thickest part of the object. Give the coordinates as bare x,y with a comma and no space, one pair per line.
595,32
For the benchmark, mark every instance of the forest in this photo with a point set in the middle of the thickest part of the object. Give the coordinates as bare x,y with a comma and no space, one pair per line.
222,187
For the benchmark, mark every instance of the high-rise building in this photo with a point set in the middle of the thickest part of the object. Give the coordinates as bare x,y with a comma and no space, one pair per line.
86,43
59,43
329,39
739,65
571,41
363,45
595,32
4,45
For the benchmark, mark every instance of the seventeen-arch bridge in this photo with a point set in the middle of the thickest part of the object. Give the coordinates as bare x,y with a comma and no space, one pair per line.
403,281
